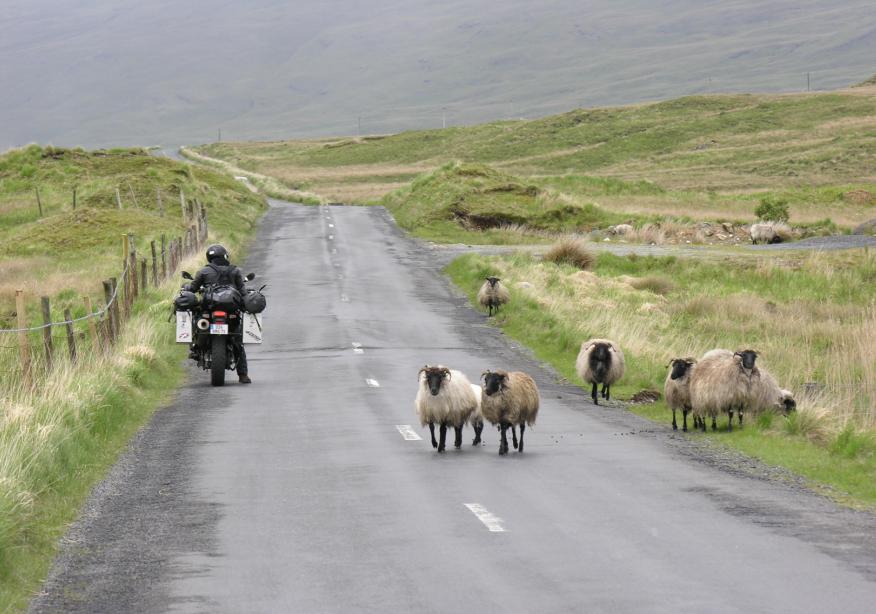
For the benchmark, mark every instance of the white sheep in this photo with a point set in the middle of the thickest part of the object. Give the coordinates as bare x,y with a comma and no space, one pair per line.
509,399
600,361
765,394
769,232
493,294
444,397
676,390
722,381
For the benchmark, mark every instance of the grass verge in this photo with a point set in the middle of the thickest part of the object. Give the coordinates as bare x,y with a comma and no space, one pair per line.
659,308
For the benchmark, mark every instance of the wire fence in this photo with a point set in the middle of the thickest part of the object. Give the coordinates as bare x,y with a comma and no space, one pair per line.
101,325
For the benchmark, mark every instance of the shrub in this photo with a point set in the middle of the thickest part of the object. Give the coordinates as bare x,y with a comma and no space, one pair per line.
571,251
653,283
772,209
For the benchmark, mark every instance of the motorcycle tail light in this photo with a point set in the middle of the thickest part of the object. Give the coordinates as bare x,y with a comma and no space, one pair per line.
220,314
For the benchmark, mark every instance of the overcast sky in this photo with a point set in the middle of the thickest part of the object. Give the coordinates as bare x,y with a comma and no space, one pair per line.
124,72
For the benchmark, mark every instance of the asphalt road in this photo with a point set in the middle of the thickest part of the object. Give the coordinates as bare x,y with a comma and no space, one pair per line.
299,493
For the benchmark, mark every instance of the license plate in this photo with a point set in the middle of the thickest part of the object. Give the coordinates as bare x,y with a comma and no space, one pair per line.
218,329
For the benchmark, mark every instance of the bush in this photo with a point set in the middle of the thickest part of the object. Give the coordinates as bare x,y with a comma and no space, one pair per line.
653,283
772,209
571,251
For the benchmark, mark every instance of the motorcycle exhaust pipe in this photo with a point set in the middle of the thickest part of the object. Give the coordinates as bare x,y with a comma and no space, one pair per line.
203,324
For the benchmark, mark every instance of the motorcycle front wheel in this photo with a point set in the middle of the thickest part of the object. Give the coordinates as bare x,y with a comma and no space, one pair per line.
219,355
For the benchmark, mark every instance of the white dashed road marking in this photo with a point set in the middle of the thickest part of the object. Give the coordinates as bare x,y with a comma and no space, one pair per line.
407,432
357,348
345,298
331,225
491,521
331,237
373,383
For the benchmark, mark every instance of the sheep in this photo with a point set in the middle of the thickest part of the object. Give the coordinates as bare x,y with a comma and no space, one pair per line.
677,392
445,397
493,294
510,398
765,394
477,416
769,232
600,361
722,381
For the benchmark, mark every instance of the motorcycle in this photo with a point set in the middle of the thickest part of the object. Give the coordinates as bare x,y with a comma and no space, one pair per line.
224,320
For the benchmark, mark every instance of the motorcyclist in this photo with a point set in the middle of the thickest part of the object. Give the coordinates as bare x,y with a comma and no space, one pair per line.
220,270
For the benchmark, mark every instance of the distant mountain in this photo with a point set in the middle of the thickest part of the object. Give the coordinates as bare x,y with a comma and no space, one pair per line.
114,72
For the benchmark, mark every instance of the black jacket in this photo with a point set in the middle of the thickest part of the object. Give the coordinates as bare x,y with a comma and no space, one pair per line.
213,274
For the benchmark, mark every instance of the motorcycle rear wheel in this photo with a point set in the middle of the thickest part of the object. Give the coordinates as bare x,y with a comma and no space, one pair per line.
219,355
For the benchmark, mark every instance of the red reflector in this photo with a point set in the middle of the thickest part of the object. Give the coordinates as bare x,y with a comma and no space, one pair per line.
219,313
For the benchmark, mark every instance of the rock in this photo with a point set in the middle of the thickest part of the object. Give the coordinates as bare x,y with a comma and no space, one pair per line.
708,232
867,228
727,226
645,396
721,236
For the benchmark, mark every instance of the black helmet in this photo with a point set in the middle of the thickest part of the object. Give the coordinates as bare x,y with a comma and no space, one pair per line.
217,252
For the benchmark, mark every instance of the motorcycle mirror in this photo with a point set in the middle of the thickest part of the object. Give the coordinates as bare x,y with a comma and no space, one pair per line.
187,275
250,277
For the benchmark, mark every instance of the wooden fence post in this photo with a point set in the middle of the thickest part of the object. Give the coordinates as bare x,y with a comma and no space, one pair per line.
135,285
163,257
39,201
133,196
126,278
47,331
118,199
71,338
154,263
92,327
117,319
110,317
144,279
23,347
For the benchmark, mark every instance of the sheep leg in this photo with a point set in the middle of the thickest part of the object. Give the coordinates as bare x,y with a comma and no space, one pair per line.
593,394
684,419
714,424
432,431
703,424
740,417
478,429
503,442
730,422
457,443
606,392
514,436
442,437
522,428
674,425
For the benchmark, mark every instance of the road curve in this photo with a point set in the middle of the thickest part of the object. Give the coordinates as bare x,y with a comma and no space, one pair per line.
305,493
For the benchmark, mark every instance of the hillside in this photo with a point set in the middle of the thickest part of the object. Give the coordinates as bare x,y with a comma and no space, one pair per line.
98,73
701,157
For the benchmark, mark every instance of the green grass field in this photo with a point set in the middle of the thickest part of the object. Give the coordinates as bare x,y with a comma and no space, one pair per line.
812,319
695,158
59,437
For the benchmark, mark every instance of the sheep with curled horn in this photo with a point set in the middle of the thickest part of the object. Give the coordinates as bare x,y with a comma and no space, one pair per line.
676,390
510,398
444,397
600,361
722,382
493,294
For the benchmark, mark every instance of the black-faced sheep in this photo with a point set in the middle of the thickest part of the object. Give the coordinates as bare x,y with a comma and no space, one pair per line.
444,397
493,294
509,399
676,390
770,232
722,382
600,361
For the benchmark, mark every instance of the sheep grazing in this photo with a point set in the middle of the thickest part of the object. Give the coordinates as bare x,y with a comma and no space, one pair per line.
765,394
600,361
493,294
677,391
722,381
510,399
769,232
444,397
477,416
